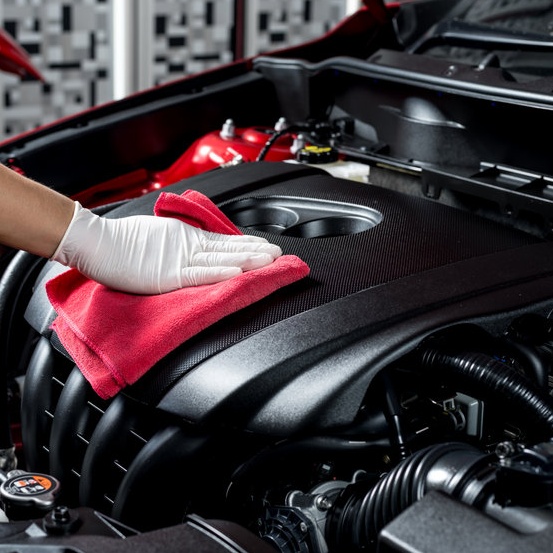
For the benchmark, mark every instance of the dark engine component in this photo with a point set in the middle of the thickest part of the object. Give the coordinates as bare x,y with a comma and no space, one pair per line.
410,368
83,529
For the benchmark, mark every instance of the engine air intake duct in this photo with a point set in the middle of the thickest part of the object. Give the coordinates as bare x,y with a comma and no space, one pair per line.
359,514
483,375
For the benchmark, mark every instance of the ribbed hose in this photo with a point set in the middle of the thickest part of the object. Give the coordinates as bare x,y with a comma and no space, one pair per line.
360,514
363,509
485,377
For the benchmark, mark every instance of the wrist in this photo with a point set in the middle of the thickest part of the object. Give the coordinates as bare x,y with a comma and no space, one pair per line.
75,236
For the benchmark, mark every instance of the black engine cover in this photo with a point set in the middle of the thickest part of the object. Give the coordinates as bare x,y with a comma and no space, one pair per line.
386,269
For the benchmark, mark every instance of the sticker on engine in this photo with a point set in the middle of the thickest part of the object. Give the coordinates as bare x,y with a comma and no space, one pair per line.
32,484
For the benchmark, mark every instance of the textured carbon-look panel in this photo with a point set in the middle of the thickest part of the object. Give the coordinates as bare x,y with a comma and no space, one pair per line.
413,236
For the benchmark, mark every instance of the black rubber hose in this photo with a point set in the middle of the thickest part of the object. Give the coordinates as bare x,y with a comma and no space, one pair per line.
485,377
363,509
296,127
267,146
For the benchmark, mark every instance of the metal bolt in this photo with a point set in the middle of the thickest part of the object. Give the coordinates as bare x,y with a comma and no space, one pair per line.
61,514
323,503
504,449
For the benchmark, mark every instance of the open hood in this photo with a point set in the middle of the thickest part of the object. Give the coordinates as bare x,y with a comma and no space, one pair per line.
14,59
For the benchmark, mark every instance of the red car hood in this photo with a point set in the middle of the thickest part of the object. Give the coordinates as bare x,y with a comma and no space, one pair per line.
14,59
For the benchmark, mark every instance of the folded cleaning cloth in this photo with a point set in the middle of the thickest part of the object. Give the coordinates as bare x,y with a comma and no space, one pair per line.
115,337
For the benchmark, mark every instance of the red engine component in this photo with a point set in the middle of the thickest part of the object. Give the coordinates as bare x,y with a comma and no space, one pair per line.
228,146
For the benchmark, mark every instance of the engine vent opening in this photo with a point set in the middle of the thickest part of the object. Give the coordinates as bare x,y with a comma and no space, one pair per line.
301,217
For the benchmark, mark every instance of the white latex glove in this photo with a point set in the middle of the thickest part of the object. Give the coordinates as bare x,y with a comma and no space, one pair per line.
146,254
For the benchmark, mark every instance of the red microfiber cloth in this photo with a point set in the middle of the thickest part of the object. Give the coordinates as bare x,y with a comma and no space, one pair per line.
115,337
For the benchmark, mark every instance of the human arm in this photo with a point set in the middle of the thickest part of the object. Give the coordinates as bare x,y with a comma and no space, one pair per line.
33,217
140,254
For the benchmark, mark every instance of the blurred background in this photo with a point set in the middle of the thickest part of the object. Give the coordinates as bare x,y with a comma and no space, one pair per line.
93,51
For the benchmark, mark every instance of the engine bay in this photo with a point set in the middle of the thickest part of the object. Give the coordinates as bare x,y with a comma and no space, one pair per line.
319,415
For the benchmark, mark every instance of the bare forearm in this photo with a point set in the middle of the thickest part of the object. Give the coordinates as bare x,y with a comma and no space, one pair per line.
32,216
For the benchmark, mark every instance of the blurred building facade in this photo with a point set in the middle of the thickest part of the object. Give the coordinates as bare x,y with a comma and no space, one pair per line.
93,51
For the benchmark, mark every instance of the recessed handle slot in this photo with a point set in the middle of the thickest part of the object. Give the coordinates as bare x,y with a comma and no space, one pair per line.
301,217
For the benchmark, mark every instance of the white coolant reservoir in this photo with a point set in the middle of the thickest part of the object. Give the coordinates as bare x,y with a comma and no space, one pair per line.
328,158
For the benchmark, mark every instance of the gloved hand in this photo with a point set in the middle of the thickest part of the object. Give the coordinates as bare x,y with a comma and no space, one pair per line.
146,254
